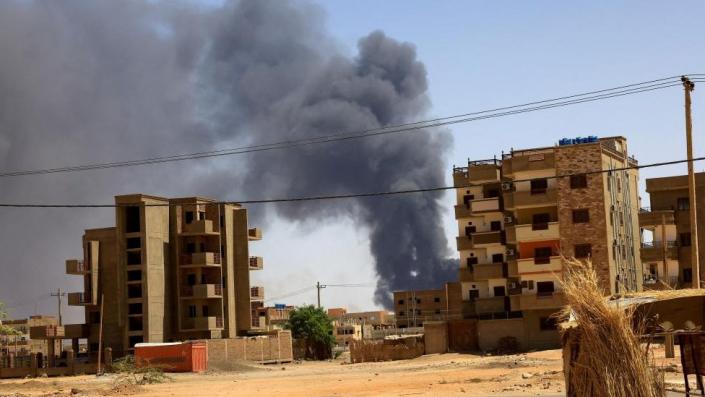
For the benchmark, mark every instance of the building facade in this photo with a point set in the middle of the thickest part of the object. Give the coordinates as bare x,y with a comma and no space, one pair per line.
171,269
667,255
23,344
519,215
413,308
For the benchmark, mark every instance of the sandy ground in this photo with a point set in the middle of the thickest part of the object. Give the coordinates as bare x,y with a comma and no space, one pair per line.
530,374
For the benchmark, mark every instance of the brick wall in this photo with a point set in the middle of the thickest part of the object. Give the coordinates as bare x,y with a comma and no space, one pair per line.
224,354
584,158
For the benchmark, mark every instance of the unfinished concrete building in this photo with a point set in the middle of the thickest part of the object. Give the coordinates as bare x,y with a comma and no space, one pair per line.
413,308
23,344
667,254
515,219
170,270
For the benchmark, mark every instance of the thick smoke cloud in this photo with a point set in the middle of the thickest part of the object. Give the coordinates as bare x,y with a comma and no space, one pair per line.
102,80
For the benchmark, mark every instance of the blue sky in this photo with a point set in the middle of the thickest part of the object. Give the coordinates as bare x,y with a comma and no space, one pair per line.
482,55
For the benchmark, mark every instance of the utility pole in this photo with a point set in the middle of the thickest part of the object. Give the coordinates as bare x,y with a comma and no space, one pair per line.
319,287
58,296
688,87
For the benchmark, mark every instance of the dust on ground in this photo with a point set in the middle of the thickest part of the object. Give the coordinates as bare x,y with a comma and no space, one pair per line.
530,374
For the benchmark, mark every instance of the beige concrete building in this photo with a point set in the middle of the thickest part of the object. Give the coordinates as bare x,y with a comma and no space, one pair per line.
516,219
170,269
413,308
271,317
23,344
667,256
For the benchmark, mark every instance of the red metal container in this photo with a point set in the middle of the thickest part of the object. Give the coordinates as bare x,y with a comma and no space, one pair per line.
173,357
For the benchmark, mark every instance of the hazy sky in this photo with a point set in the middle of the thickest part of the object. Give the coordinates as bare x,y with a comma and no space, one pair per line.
482,55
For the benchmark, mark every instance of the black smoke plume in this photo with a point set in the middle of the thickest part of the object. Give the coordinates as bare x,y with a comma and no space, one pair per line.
104,80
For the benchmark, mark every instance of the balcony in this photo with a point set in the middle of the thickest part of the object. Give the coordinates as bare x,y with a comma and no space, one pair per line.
484,205
655,251
537,232
529,161
654,218
512,268
256,263
485,170
555,300
489,305
199,228
77,267
477,239
201,259
202,291
465,274
462,211
534,199
511,234
534,265
46,332
202,323
256,293
80,299
460,176
489,271
254,234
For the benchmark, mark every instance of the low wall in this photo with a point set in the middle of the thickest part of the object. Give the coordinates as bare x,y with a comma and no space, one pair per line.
403,348
489,332
462,335
435,337
23,372
273,348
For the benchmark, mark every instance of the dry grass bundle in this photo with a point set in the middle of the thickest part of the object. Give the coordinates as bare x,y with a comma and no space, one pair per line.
604,355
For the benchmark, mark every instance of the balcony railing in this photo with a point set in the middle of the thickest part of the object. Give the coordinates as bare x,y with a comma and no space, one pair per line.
537,231
540,264
256,263
77,267
202,323
257,293
201,258
199,227
554,300
534,198
660,244
254,234
80,298
489,305
202,291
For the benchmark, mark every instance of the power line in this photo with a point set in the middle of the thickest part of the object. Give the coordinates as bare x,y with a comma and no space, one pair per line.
623,90
345,196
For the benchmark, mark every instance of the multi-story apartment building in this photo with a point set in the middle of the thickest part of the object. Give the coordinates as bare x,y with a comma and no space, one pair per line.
413,308
667,256
519,215
171,269
23,344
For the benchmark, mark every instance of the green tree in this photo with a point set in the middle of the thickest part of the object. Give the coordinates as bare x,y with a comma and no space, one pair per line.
4,329
314,327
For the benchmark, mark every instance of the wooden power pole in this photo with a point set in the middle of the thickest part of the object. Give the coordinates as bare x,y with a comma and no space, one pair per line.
689,86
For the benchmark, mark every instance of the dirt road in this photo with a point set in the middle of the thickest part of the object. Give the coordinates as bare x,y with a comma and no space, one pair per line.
531,374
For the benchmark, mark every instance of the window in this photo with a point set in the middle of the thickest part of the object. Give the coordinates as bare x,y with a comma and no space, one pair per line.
473,294
683,204
581,216
437,300
472,261
497,258
540,221
189,217
418,300
94,317
134,242
544,288
582,250
418,312
191,279
495,226
539,186
401,313
134,290
499,290
134,308
438,311
201,215
132,219
547,323
190,248
134,323
685,239
528,284
578,181
135,339
134,275
204,310
94,347
192,311
687,275
542,255
134,258
400,302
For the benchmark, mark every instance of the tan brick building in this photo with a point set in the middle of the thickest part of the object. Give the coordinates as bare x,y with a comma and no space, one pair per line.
171,269
413,308
667,256
516,219
23,344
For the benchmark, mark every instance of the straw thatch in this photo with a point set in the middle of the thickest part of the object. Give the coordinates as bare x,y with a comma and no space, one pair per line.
602,353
